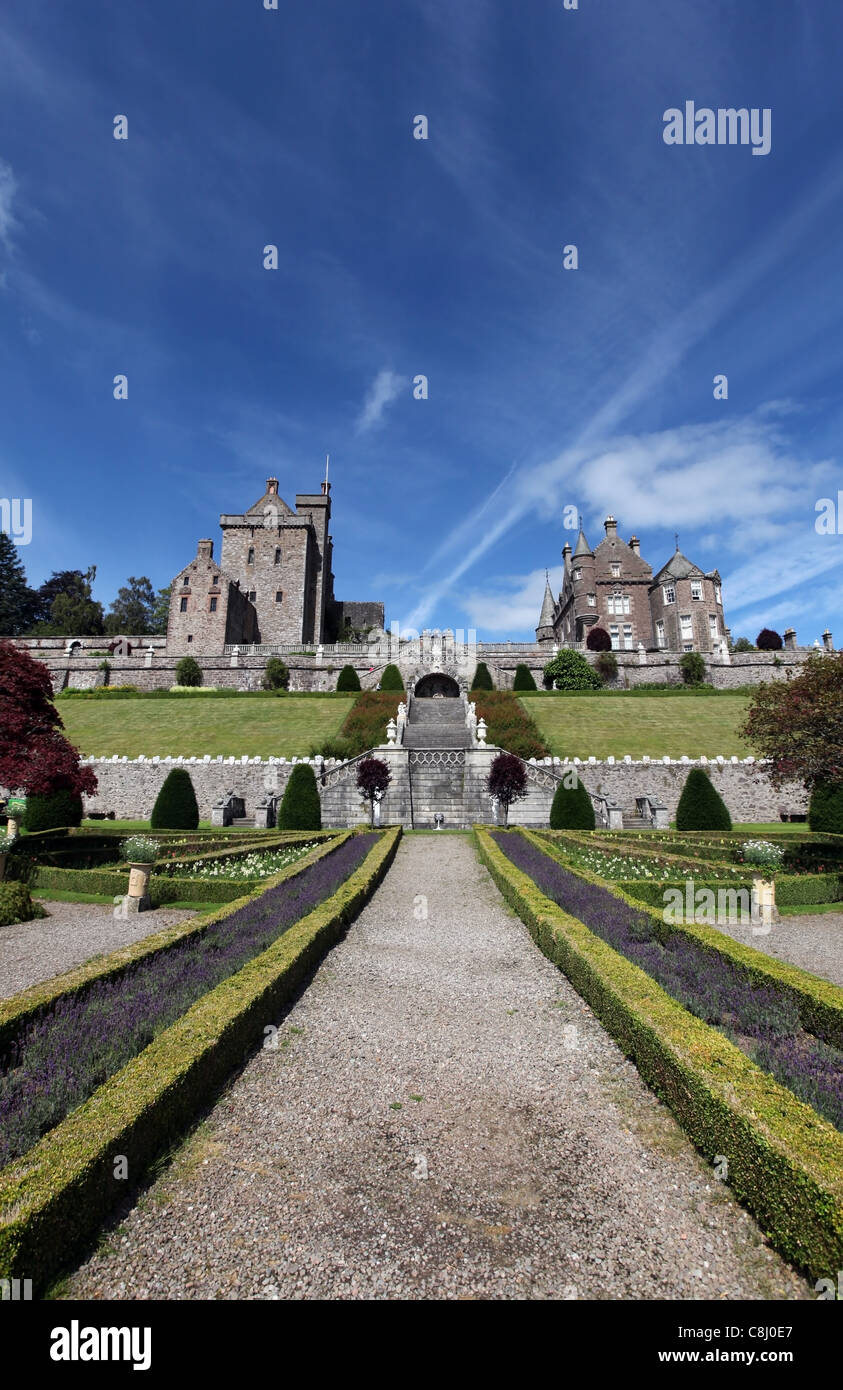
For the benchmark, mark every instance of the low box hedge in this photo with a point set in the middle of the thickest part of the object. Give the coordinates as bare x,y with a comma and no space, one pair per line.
793,890
784,1161
163,888
651,891
22,1009
16,904
53,1199
820,1003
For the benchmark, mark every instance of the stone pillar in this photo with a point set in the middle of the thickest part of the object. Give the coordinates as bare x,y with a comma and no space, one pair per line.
763,911
827,642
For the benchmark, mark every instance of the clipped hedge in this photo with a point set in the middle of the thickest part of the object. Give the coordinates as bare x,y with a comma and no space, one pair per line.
785,1161
16,904
794,890
54,1198
163,888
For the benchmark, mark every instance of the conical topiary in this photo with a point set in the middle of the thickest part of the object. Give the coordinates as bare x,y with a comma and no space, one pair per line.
348,679
826,809
524,679
701,807
175,807
572,808
300,807
391,678
482,678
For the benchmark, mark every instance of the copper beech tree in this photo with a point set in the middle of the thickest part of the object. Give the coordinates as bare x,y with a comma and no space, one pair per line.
507,781
35,757
798,724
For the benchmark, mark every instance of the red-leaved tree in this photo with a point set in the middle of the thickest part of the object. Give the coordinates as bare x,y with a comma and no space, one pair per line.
373,778
798,724
35,757
507,781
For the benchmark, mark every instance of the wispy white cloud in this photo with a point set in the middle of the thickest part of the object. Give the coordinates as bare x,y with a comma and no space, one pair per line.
512,609
8,193
383,390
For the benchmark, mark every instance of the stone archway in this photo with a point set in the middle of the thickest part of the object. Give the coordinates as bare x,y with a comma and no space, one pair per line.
436,683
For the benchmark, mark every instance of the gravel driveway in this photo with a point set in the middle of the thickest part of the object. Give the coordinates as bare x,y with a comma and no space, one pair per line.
443,1118
813,942
72,934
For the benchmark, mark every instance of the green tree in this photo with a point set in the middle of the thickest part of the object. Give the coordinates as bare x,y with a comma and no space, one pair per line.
348,679
798,724
78,613
175,806
391,678
482,678
692,666
524,679
572,807
701,807
276,675
132,612
18,603
300,807
161,612
53,811
607,665
743,644
569,670
188,671
826,809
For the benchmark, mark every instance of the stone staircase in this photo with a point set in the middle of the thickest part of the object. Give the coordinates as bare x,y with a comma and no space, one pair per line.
436,723
631,822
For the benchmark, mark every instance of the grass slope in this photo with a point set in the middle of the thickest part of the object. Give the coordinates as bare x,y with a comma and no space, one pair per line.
582,726
192,728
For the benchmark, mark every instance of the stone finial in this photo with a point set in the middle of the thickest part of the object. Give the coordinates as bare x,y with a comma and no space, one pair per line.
481,731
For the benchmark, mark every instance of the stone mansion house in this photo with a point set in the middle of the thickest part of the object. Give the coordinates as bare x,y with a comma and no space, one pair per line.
678,609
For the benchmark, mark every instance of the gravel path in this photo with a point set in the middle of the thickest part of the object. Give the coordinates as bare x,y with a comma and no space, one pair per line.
72,934
813,942
443,1118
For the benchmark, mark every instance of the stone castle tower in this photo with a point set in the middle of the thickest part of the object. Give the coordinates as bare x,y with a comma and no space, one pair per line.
273,585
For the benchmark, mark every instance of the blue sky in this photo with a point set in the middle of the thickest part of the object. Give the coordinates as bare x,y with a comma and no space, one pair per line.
444,257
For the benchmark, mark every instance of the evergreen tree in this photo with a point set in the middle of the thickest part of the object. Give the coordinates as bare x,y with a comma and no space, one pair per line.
391,679
524,679
482,678
161,612
572,807
176,807
348,679
570,670
300,807
133,610
701,807
67,607
276,674
18,603
826,809
188,671
54,811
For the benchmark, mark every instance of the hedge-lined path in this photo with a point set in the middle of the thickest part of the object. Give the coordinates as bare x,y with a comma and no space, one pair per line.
813,941
444,1118
72,934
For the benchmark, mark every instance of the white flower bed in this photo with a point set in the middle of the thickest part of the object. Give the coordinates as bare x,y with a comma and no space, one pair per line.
256,865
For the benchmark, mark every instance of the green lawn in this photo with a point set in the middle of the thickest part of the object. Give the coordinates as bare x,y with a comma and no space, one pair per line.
583,726
192,728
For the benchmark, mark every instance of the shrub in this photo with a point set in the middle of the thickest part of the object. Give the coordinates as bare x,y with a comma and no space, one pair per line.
188,671
276,676
768,640
692,666
348,679
482,678
826,809
763,853
300,807
572,808
61,808
391,679
16,904
507,781
175,807
598,640
333,748
508,725
523,678
607,665
701,807
570,670
365,724
743,644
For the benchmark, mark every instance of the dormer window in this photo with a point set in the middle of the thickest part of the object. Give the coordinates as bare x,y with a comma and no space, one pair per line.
696,590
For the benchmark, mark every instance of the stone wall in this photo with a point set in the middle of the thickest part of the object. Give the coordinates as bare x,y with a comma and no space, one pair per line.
128,787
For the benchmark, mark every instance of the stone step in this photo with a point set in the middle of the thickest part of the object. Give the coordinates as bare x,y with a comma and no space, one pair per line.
433,736
636,823
244,821
445,711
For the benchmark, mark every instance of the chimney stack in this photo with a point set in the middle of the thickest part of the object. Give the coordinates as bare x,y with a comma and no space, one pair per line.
635,545
790,638
611,527
205,550
272,487
827,642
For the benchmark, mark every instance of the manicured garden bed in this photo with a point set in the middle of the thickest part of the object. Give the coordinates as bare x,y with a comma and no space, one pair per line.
58,1192
783,1158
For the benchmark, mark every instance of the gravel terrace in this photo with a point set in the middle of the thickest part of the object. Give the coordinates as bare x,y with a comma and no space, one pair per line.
72,934
443,1118
813,942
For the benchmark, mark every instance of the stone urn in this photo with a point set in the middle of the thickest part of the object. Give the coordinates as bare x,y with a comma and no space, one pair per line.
139,876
